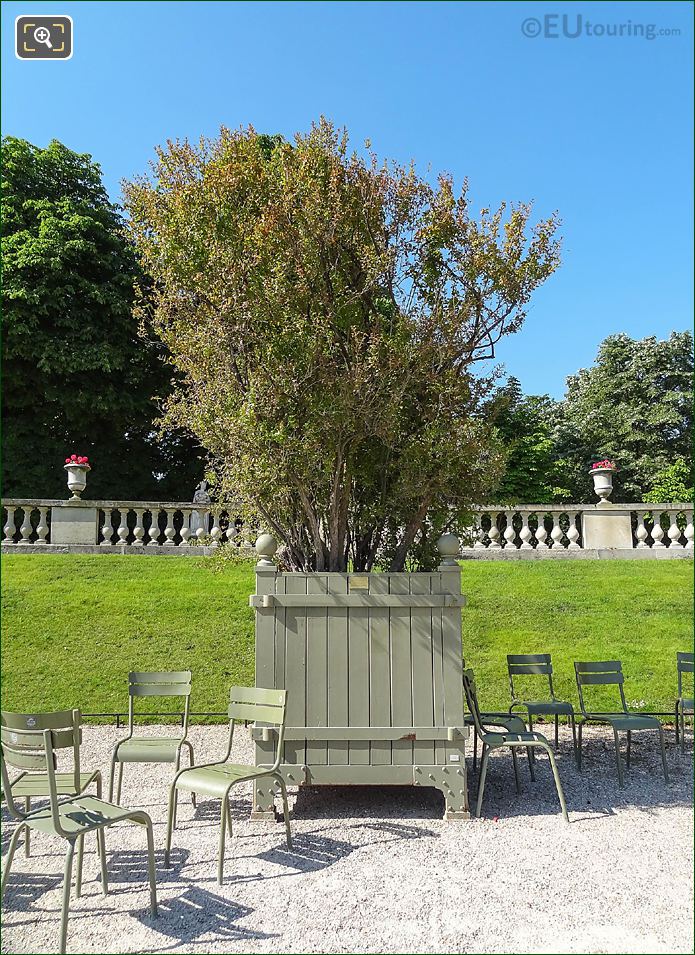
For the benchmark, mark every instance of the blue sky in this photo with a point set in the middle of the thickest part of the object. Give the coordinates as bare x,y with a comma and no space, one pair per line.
597,127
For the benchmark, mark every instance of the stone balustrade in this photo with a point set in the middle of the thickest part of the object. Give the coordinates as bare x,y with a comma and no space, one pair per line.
550,530
121,524
522,530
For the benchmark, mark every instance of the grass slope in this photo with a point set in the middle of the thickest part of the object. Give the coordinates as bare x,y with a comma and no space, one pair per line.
73,626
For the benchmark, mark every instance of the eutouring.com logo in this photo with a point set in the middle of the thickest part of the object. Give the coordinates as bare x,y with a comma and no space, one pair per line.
572,26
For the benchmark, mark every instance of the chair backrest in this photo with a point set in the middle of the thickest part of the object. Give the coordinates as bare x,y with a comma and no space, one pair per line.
471,692
685,665
529,664
258,705
29,743
166,683
599,673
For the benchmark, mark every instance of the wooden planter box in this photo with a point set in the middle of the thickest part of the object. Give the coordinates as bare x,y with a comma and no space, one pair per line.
372,667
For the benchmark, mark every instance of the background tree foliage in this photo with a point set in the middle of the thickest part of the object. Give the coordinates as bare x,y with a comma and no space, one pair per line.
76,376
633,406
325,313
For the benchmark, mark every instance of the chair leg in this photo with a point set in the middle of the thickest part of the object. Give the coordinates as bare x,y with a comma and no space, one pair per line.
558,784
10,855
67,880
80,859
120,783
629,744
176,807
663,752
682,729
677,720
112,774
191,763
557,729
151,864
98,785
223,827
580,727
617,758
229,817
285,810
27,810
530,749
101,849
516,769
481,781
574,735
475,748
170,823
531,767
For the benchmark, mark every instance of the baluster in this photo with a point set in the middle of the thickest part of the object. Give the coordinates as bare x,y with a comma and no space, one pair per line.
641,532
525,532
123,526
203,530
107,529
541,532
231,531
689,530
480,532
42,526
9,530
185,531
573,532
674,531
169,529
139,529
153,529
494,532
556,533
215,530
657,530
26,527
509,532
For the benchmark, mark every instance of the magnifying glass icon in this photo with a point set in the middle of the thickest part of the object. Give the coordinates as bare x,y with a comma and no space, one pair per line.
43,35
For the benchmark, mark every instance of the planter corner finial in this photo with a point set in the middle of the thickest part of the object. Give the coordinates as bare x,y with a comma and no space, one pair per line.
266,546
449,546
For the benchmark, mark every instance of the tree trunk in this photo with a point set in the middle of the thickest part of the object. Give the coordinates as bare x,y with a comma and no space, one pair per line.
414,525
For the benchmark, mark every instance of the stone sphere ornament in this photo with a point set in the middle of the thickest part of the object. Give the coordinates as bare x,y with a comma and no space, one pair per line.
266,546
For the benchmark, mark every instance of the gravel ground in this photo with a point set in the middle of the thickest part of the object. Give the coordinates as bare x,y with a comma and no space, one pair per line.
379,871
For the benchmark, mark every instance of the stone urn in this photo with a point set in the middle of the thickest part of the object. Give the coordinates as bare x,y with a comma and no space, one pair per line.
603,482
77,478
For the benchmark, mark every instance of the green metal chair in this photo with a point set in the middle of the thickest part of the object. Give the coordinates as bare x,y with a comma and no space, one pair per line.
539,664
152,749
266,707
684,704
513,739
609,673
34,750
32,785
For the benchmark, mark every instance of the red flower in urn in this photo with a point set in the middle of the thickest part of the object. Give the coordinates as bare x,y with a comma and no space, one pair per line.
77,466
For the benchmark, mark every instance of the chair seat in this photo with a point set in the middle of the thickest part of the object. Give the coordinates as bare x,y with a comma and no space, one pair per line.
625,721
495,740
215,780
147,749
36,784
81,814
547,707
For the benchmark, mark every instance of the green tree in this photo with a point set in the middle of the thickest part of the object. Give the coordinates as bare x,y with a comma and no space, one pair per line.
672,485
633,406
524,423
325,312
76,376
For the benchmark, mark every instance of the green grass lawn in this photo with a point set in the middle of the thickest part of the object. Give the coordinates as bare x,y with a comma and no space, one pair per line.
73,626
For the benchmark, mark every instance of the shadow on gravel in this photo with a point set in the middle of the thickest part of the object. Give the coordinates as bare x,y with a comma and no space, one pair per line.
309,853
24,889
196,913
594,793
130,865
368,802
